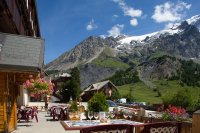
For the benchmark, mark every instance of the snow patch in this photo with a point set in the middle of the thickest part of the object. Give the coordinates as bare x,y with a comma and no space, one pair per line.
193,19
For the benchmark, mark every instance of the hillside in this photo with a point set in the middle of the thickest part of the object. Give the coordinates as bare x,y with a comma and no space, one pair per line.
185,75
142,93
99,58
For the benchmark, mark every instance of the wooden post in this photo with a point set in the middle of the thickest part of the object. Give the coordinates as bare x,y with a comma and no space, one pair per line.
195,122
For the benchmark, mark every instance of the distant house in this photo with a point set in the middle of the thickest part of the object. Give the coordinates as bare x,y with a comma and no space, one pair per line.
59,79
106,87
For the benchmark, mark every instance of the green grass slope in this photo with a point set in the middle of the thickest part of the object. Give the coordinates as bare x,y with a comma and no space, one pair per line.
108,58
111,62
143,94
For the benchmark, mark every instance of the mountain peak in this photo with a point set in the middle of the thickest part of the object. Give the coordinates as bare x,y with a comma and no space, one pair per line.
183,25
193,19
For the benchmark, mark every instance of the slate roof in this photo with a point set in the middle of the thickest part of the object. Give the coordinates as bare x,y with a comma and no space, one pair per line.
21,52
98,85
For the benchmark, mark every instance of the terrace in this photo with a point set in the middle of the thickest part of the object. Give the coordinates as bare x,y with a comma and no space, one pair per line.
59,118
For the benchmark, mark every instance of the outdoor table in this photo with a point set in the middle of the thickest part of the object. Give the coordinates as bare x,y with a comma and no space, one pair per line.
25,113
115,124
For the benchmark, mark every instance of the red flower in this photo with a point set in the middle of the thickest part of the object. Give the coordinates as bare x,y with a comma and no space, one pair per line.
173,112
38,86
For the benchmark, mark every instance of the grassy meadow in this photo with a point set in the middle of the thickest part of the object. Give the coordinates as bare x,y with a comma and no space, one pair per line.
142,93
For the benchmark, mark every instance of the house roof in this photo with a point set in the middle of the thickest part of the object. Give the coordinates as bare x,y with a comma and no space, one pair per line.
63,75
98,85
21,52
58,76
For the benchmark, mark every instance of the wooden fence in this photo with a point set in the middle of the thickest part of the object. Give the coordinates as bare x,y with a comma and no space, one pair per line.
186,127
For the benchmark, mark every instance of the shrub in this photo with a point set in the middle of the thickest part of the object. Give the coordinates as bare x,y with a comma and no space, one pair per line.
195,105
182,99
98,103
74,106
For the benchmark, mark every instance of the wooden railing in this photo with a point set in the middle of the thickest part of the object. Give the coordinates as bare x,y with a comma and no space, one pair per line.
186,127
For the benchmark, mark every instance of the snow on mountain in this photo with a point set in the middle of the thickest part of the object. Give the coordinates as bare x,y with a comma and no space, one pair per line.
127,40
193,20
143,39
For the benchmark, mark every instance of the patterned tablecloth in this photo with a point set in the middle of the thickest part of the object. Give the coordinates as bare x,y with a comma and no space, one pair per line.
85,123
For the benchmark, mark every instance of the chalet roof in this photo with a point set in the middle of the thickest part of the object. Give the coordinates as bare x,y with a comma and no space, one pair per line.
21,52
98,85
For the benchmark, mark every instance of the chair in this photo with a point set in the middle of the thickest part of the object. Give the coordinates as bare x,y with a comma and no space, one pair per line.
23,114
119,128
162,127
34,112
51,110
58,112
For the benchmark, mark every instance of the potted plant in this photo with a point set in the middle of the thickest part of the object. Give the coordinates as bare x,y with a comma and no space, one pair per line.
39,86
173,113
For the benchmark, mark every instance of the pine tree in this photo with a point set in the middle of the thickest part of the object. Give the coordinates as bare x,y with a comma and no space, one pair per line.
72,88
75,83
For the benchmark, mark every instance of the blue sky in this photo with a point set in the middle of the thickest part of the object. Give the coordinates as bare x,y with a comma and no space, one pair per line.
65,23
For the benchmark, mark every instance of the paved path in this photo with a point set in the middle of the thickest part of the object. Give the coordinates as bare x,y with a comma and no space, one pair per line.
45,125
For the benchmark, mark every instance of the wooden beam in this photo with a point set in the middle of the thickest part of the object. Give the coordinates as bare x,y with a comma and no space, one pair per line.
195,122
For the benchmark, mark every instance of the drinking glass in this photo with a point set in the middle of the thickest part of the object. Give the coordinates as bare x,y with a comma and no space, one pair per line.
96,115
125,114
130,114
90,115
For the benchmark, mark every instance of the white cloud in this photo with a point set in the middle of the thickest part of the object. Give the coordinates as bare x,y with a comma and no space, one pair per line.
115,16
129,11
91,25
116,30
170,12
134,22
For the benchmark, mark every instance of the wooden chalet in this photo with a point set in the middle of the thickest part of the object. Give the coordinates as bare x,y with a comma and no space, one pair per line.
21,54
59,79
19,17
106,87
